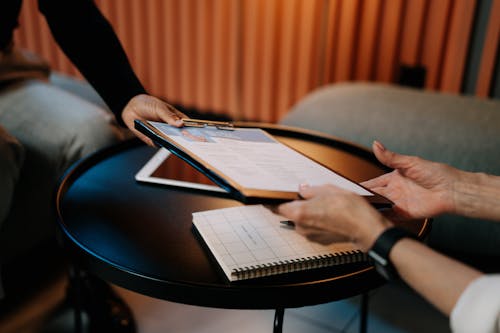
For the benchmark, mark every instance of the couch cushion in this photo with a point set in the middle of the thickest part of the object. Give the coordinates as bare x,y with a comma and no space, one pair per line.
56,128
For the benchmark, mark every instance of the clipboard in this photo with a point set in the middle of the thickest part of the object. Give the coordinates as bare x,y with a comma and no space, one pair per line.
199,140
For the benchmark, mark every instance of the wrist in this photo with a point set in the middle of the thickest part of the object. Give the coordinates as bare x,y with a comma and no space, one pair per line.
465,189
380,252
477,195
367,237
450,192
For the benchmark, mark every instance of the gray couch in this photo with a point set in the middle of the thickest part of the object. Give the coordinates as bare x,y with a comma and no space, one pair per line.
461,131
28,225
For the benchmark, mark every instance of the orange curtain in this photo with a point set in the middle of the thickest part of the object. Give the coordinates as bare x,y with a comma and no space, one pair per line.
253,59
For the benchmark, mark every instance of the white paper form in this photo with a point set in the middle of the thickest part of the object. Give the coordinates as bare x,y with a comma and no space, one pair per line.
255,160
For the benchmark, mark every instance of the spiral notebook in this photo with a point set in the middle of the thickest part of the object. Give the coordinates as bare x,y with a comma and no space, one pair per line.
250,242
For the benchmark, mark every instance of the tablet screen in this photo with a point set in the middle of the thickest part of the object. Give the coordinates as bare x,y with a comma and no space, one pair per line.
167,169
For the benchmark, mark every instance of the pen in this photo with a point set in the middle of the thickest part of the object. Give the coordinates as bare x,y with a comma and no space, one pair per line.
288,223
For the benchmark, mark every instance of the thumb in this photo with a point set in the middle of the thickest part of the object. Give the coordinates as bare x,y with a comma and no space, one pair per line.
390,158
307,192
169,114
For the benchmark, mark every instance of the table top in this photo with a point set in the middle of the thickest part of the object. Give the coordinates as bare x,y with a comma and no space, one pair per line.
140,236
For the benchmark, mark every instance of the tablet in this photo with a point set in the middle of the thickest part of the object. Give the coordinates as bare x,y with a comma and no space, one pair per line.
165,168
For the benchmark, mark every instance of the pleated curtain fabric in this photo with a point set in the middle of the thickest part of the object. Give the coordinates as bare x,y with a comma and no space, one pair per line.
253,59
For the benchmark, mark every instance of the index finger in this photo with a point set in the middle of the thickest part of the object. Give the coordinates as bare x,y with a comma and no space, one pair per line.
379,181
172,116
308,192
290,209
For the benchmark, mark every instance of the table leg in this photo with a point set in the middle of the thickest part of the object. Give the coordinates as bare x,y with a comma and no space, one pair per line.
75,296
278,320
363,319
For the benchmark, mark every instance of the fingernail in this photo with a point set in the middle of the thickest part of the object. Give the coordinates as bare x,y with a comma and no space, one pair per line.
179,122
379,145
303,187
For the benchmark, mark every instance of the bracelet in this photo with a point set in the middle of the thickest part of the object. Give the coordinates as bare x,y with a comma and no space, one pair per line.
379,253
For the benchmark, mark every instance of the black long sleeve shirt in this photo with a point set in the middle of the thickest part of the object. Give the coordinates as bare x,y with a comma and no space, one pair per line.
89,41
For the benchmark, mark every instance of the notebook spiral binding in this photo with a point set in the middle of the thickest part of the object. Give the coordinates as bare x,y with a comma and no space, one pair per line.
288,266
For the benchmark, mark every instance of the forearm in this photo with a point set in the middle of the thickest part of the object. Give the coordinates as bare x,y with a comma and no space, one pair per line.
477,195
88,39
436,277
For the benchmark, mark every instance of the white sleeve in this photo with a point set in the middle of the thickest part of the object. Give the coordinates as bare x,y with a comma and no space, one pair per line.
478,308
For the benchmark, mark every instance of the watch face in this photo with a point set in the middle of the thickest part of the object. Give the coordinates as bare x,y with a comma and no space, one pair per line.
383,271
377,258
382,266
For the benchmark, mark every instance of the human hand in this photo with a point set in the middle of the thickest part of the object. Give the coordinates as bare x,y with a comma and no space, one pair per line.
146,107
329,214
418,188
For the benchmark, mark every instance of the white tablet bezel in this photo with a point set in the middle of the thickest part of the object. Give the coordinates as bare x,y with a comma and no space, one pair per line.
145,174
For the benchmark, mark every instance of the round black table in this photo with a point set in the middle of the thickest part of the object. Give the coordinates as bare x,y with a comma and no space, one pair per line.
139,236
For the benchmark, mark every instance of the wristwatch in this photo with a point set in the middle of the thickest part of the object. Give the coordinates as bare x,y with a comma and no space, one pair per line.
379,253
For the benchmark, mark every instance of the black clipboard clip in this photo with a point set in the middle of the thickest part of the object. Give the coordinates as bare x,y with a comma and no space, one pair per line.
222,125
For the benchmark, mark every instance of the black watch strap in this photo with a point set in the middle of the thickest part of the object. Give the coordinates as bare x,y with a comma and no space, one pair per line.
382,247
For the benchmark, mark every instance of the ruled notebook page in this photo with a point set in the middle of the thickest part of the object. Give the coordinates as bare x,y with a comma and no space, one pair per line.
250,241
